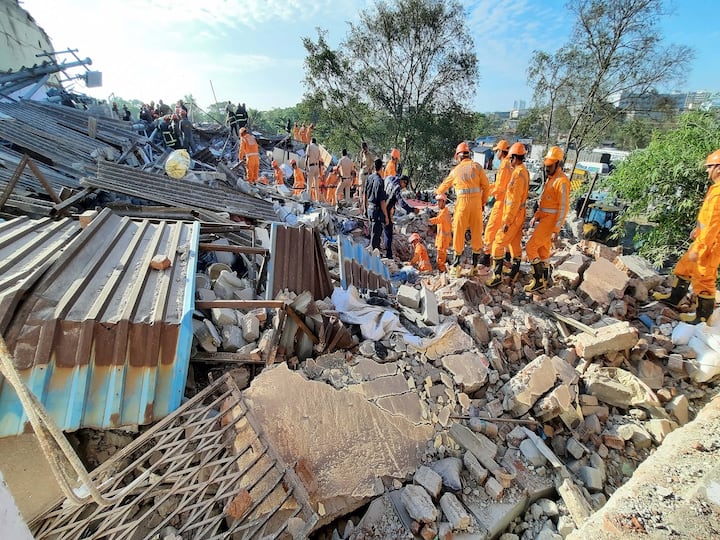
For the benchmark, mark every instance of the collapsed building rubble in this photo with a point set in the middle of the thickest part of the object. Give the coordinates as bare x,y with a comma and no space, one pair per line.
332,393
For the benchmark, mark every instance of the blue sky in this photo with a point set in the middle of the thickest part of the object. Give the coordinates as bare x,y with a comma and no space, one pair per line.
252,50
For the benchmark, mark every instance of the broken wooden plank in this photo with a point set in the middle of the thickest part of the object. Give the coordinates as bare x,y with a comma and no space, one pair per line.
568,320
239,304
226,357
41,178
304,327
233,249
277,334
60,208
13,180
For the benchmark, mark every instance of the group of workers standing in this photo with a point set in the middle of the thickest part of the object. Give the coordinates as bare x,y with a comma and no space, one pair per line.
502,235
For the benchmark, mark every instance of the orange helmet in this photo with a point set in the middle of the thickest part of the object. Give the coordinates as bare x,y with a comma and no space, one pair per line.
414,237
293,162
395,153
501,145
553,155
713,159
441,197
462,148
274,163
243,130
517,149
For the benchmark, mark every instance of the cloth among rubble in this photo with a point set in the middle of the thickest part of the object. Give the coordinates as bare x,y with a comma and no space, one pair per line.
376,322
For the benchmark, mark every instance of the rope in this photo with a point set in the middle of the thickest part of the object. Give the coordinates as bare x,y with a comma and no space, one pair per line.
52,441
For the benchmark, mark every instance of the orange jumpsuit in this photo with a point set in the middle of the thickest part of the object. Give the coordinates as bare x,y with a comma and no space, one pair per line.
308,135
550,216
333,181
390,169
279,176
301,134
420,259
443,238
472,189
502,178
702,273
513,215
249,148
298,181
296,132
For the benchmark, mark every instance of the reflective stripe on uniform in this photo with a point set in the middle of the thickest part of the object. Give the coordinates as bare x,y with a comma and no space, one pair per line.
548,210
469,190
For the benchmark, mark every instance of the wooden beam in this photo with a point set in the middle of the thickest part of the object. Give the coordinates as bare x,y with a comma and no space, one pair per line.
13,180
226,357
41,178
240,304
67,203
304,327
233,249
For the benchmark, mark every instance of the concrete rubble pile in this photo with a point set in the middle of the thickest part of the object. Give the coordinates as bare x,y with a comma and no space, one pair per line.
533,427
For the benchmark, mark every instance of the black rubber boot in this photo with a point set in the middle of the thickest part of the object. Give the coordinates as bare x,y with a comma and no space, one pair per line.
705,307
538,280
485,259
548,276
514,269
496,278
476,259
674,297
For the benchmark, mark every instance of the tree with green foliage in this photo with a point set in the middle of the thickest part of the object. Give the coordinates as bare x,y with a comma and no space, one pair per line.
615,49
665,184
401,78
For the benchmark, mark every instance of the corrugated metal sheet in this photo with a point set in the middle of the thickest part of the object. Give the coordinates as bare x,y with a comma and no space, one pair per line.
297,262
360,268
103,340
159,188
27,249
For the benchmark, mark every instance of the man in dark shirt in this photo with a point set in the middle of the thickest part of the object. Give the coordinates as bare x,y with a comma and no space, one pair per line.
376,204
393,189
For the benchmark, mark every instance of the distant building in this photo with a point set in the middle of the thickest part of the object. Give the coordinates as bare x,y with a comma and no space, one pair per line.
656,106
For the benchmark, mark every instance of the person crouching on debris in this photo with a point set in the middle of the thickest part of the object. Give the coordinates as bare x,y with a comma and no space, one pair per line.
509,237
278,174
699,265
420,259
249,149
443,237
550,217
298,178
472,188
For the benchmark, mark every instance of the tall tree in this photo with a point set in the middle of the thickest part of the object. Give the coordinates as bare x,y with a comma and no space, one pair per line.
665,184
402,69
615,49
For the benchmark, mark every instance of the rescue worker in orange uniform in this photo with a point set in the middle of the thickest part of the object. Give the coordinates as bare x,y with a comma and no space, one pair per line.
277,172
308,133
443,237
333,181
549,217
298,178
296,132
420,259
699,266
391,169
472,189
509,237
249,149
301,133
502,177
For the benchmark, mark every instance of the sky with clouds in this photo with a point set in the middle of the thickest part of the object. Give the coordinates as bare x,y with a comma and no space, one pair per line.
252,50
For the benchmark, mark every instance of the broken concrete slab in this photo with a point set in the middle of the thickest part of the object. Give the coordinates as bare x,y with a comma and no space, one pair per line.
637,266
577,505
418,504
604,282
492,515
525,388
392,385
455,512
408,296
478,328
480,446
450,339
382,517
429,307
651,373
469,370
407,405
612,338
429,479
572,269
348,442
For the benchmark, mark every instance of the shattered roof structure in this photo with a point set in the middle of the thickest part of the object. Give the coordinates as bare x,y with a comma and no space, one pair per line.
103,339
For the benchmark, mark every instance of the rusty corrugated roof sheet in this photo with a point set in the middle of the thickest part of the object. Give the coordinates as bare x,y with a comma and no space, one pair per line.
162,189
27,249
298,262
103,340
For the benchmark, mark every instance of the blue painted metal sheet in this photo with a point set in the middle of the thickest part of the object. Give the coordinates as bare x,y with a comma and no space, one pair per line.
103,339
350,251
